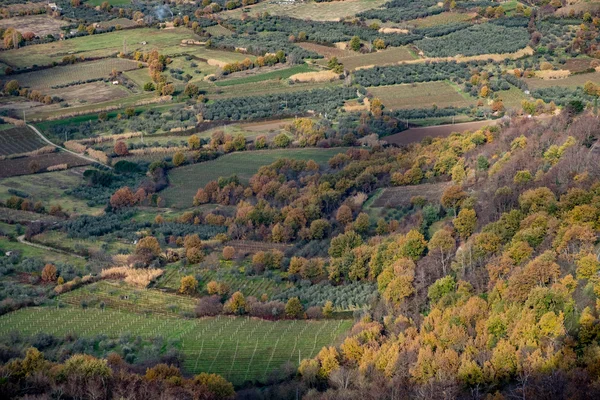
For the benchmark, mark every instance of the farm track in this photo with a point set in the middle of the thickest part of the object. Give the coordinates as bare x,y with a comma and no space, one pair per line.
92,160
22,240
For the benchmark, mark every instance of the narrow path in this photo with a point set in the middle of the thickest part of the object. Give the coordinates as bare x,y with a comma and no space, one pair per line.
22,240
93,160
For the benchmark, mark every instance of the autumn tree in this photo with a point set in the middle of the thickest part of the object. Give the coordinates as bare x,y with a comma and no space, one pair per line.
123,197
148,245
228,252
188,285
178,158
236,304
194,142
121,148
344,215
49,273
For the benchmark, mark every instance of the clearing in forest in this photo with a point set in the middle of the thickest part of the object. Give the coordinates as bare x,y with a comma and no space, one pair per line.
185,181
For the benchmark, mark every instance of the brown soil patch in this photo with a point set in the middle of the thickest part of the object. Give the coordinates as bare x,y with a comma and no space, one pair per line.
94,92
41,25
325,51
21,166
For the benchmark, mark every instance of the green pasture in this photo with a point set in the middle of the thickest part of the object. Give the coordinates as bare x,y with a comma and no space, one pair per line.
185,181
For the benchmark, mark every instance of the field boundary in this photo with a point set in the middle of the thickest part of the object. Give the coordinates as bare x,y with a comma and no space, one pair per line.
92,160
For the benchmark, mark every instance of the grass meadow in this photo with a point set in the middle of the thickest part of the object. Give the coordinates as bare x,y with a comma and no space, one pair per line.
102,45
421,95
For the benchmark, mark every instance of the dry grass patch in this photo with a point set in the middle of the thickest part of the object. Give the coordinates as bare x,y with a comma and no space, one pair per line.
139,277
393,30
318,76
41,25
553,74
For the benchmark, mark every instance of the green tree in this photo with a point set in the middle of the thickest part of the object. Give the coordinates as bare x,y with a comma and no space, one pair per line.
293,308
465,222
355,43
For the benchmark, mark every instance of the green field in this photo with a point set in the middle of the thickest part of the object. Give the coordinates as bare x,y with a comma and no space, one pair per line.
77,72
185,181
43,254
273,75
421,95
238,348
50,188
102,45
119,296
249,285
571,81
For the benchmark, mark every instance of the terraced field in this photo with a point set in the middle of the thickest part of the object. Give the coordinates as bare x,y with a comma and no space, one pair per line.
238,348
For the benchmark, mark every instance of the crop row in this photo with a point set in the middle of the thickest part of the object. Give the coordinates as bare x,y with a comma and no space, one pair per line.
238,348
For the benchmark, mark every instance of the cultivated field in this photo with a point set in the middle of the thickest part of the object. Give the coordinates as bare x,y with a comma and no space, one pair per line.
90,93
326,51
185,181
218,30
440,19
102,45
45,255
122,22
23,165
19,140
41,25
249,285
267,76
570,81
400,196
392,55
326,11
64,75
238,348
414,135
421,95
50,187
